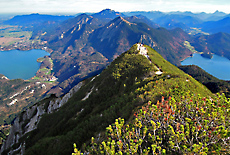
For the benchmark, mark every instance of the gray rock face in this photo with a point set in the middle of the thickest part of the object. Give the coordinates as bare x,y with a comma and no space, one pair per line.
28,120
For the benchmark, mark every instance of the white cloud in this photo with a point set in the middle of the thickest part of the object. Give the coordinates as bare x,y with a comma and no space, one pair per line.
118,5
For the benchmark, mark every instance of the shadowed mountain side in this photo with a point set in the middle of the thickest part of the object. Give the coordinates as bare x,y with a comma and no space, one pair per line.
217,26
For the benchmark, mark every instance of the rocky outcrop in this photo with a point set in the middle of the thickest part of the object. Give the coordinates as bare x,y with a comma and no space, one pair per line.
27,121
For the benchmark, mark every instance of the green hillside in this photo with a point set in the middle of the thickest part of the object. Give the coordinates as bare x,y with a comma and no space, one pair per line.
180,124
128,83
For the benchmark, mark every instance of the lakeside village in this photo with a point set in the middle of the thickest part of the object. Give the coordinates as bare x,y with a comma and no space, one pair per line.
26,46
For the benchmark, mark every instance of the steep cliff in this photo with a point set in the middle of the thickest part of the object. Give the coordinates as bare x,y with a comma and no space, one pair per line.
28,120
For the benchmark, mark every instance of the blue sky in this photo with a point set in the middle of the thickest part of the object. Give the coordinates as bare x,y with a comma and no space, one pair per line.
76,6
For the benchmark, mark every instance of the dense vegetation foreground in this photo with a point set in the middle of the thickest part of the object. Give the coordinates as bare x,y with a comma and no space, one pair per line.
166,113
186,125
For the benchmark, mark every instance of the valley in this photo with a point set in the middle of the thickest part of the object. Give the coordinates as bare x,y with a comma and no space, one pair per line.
95,74
13,34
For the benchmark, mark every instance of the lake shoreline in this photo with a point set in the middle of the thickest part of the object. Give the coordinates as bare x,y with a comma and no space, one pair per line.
17,60
217,66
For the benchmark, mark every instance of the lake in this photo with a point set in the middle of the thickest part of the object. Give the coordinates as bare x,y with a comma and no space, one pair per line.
16,64
217,66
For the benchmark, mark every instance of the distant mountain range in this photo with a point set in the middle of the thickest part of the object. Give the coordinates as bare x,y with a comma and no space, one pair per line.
90,42
153,15
208,22
185,20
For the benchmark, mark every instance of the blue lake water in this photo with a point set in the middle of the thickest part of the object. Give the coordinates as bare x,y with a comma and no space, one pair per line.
20,64
217,66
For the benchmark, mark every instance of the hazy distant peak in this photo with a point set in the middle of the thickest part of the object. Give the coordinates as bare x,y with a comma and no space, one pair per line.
34,14
108,13
219,13
83,14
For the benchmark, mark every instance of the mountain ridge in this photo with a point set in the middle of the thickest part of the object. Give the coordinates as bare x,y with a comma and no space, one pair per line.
129,82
